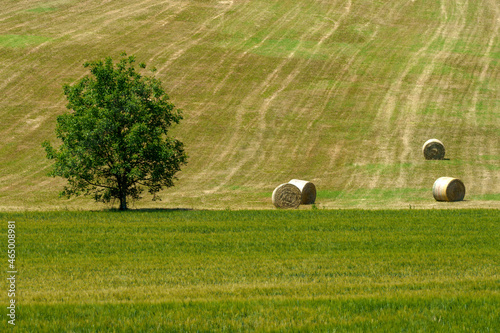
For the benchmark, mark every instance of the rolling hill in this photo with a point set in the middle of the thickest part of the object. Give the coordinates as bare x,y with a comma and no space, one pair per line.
341,93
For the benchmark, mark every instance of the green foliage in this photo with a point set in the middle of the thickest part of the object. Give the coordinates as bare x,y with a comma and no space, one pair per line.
116,140
315,270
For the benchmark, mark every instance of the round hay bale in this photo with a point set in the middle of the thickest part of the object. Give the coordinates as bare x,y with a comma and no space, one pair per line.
307,190
286,196
448,189
433,149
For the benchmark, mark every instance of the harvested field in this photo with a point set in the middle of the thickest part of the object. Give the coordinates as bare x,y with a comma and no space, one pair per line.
341,93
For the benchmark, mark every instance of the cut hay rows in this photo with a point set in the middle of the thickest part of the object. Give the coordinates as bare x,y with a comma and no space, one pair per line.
433,149
270,90
448,189
307,190
286,196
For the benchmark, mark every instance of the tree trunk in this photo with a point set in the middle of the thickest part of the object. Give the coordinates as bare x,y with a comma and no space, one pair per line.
122,192
123,196
123,202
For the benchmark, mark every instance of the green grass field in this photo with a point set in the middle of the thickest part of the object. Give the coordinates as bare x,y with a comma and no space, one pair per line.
210,271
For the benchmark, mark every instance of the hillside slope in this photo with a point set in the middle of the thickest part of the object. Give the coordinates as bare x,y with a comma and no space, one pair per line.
341,93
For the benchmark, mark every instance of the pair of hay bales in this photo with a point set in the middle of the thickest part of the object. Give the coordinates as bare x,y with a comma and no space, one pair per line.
294,193
444,188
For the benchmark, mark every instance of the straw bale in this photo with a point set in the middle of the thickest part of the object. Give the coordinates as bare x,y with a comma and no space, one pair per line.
307,190
448,189
433,149
286,196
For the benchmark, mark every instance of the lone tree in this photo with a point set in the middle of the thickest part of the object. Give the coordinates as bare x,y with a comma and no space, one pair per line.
115,143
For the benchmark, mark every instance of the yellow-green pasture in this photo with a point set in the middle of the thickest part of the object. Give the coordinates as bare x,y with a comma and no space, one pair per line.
268,271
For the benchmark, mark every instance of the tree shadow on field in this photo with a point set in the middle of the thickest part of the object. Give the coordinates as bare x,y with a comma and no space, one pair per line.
161,209
141,210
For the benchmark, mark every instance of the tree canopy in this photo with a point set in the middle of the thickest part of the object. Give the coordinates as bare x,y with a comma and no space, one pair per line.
115,141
